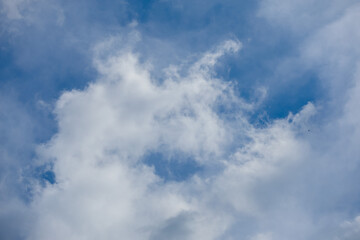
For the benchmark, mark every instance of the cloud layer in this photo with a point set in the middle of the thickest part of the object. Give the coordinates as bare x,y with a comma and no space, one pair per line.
277,178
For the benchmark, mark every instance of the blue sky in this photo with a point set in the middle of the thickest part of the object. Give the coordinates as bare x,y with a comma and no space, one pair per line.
179,119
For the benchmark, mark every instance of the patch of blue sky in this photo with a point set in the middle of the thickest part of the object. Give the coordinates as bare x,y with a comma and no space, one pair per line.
174,167
45,174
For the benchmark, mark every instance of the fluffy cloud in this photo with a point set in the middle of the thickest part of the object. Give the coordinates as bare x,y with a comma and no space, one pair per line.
328,47
291,178
103,188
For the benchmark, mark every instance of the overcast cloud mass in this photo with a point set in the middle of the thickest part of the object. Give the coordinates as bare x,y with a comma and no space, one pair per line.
166,120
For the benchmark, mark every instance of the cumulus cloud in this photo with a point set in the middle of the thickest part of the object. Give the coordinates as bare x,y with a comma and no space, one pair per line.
290,178
103,188
104,131
328,47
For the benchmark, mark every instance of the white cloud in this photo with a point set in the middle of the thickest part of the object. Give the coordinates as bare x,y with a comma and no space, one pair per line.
102,189
328,46
273,182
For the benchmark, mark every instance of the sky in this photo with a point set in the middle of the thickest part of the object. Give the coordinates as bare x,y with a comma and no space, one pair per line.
160,119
